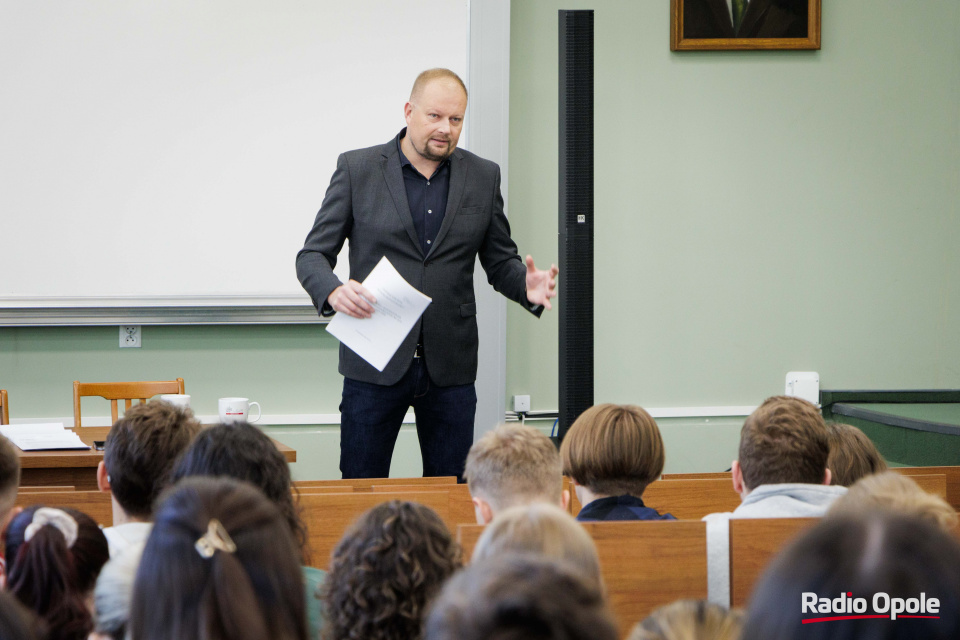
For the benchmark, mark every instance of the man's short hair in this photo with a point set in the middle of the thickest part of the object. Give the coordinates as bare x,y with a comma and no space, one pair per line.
140,451
783,440
9,474
613,450
430,75
520,596
513,465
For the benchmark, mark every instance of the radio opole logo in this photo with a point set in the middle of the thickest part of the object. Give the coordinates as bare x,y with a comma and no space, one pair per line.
846,607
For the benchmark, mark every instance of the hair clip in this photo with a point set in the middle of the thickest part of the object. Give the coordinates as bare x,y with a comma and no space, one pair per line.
215,538
56,518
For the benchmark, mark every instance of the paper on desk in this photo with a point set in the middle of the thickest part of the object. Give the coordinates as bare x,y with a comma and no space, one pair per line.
398,307
38,437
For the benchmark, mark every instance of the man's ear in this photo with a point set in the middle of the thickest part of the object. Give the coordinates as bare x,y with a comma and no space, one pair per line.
827,477
482,510
737,474
103,478
565,500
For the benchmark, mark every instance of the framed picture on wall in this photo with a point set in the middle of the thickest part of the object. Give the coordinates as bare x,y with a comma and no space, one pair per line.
717,25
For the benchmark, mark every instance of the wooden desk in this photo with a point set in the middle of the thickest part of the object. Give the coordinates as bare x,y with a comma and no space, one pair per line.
78,468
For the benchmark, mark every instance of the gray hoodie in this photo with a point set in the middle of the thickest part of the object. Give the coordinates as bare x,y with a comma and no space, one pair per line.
766,501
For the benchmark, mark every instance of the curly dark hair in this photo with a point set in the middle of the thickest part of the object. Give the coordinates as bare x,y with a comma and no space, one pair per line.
385,571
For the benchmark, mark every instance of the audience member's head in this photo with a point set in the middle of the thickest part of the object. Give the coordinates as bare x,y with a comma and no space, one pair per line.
111,596
139,453
53,559
895,492
513,465
241,451
9,480
16,621
783,441
689,620
542,529
384,572
852,454
613,450
220,564
520,597
864,555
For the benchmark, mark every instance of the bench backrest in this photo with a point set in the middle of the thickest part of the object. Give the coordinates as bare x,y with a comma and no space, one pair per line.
96,504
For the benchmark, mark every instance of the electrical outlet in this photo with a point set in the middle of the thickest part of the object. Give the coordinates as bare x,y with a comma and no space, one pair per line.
521,404
130,336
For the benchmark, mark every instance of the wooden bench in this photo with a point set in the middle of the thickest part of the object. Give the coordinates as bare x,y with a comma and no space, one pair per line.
644,564
691,499
460,501
754,542
367,484
95,504
329,515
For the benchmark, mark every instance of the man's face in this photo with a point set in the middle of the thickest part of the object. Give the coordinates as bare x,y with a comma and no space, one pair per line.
435,119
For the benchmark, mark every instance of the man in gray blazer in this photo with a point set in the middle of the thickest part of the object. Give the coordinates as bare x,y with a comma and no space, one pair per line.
431,209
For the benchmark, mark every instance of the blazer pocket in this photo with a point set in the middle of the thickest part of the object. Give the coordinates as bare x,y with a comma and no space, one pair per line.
469,309
471,211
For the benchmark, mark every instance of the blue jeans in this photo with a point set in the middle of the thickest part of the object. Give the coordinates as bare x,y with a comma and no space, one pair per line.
371,414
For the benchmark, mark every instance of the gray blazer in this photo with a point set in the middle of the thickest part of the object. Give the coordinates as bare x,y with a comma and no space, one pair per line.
367,203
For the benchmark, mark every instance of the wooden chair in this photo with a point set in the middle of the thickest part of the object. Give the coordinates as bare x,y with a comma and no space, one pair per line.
114,391
367,484
691,499
460,501
329,515
95,504
4,407
644,564
49,488
754,542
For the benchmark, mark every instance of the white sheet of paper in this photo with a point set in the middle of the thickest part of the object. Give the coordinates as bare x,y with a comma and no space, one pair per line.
398,307
38,437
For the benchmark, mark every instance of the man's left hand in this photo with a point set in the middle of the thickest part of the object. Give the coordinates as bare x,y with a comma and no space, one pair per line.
541,285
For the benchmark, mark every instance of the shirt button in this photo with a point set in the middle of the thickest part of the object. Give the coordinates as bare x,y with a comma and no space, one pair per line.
429,241
429,210
428,183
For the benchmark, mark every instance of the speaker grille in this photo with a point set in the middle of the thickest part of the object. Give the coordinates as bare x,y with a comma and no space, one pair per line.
576,216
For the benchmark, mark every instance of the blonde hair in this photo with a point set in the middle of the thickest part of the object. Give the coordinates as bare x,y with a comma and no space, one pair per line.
891,491
689,620
544,530
613,450
852,454
428,76
512,465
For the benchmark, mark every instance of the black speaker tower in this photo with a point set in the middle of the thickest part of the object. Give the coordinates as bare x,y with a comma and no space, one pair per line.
576,216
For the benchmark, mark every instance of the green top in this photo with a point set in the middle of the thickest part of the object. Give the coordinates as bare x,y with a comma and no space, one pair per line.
312,579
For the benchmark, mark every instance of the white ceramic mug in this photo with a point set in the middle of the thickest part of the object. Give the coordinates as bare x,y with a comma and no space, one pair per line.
236,410
181,400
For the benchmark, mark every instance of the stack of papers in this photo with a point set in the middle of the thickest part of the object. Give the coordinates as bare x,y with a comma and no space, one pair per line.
39,437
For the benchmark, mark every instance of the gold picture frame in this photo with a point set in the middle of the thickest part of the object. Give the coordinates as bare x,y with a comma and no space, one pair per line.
708,25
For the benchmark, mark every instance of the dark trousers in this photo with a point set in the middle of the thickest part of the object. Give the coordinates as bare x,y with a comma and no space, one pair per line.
371,414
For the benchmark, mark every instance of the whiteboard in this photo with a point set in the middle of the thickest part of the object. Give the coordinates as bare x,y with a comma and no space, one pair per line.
175,153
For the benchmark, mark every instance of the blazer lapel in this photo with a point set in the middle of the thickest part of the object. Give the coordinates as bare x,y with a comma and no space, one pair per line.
458,180
755,11
722,15
393,176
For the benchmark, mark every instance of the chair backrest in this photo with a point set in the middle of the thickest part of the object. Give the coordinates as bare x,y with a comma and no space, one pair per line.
114,391
754,542
367,484
691,499
461,503
329,515
4,407
952,475
95,504
644,564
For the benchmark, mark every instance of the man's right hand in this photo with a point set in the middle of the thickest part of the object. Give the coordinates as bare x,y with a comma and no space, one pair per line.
352,299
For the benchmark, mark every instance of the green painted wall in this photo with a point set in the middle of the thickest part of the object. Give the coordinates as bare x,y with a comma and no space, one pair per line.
756,212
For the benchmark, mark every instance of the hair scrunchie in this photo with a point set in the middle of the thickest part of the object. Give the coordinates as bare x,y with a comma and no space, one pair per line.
57,518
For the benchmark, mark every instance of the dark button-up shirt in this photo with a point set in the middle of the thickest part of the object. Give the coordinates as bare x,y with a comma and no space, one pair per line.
427,197
624,507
